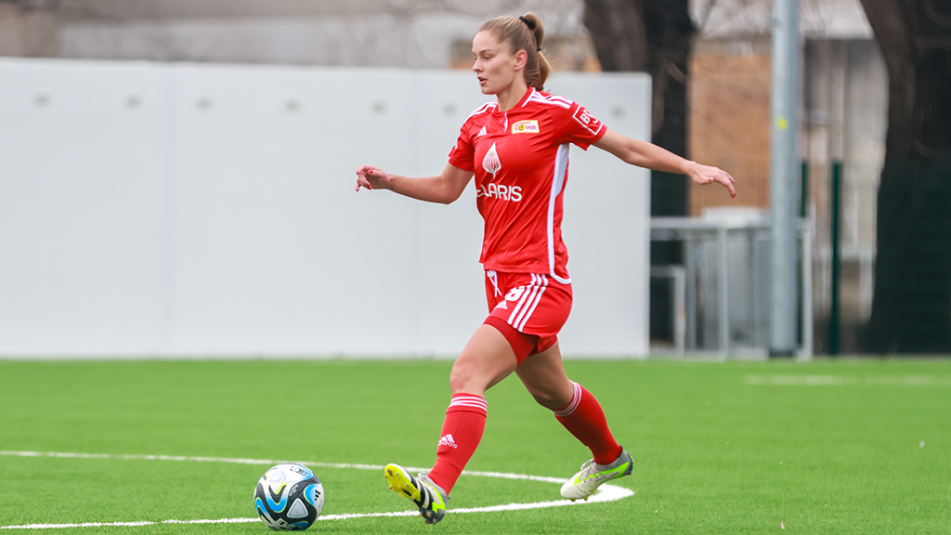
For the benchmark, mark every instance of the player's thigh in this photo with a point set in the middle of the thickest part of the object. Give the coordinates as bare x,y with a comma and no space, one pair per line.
487,359
545,379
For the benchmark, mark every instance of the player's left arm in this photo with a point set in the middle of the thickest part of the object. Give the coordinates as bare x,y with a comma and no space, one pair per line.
643,154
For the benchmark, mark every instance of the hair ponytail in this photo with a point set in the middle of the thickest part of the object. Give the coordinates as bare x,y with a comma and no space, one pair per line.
524,33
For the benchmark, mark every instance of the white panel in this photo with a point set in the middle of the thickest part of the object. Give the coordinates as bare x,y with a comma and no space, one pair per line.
188,210
450,277
83,224
274,250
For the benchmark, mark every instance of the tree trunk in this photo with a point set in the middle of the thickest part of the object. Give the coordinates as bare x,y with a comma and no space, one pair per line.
911,308
653,36
618,34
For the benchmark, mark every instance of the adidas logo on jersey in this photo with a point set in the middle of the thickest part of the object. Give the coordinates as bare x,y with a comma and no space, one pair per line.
448,441
482,132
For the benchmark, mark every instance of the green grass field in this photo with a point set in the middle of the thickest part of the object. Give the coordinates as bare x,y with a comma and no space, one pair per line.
850,446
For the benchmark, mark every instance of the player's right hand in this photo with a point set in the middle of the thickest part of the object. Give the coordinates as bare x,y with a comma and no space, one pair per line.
370,177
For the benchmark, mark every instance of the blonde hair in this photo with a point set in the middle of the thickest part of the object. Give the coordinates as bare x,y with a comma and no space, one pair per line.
523,33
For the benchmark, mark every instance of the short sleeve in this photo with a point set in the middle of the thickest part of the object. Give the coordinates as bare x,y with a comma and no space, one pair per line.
580,127
462,154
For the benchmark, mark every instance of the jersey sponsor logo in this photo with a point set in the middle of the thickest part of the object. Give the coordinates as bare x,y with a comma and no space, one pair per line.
491,163
500,192
525,127
587,120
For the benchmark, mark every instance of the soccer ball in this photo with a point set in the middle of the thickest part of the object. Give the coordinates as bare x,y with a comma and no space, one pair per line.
289,497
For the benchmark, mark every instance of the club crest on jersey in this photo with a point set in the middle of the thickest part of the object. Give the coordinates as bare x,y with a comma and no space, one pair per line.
525,127
491,163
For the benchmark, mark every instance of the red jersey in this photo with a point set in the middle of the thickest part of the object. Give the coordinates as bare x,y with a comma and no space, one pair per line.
520,160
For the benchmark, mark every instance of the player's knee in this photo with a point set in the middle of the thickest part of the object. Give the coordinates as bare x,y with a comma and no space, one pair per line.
458,380
466,378
549,399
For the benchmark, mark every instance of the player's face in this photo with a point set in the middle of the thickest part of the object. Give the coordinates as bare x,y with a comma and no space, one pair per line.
495,65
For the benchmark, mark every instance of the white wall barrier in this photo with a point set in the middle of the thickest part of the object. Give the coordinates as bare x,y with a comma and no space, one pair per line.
177,210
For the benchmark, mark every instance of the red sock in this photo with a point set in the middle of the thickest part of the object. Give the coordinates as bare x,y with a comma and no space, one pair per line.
461,433
584,418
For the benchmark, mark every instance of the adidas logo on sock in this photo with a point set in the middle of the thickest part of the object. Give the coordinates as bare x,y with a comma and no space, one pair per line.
448,441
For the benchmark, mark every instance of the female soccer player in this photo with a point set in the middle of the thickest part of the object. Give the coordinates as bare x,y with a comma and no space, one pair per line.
517,149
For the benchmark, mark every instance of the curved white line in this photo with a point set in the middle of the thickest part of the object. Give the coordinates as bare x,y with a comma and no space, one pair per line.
606,493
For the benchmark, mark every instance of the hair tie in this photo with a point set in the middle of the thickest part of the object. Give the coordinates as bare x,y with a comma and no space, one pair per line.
523,19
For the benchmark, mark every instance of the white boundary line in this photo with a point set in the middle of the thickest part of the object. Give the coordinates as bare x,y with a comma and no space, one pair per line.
919,380
606,493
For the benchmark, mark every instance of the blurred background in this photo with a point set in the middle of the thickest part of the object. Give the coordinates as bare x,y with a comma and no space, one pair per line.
874,135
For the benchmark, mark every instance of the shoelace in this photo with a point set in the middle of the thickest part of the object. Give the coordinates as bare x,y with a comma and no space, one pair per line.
588,470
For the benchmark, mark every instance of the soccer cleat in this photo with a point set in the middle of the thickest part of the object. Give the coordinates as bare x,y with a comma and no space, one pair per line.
592,475
428,496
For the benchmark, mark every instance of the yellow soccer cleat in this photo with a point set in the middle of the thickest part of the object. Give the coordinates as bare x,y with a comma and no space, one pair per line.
428,496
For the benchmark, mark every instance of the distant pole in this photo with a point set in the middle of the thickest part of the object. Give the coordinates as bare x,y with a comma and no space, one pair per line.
804,191
834,311
784,174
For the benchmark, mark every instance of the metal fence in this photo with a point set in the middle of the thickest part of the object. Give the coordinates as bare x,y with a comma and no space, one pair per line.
858,221
742,253
719,296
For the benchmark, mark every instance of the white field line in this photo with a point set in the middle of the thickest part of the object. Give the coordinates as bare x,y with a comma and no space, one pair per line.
832,380
606,493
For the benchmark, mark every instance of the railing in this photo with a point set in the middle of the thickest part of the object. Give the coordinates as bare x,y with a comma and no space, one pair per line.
721,290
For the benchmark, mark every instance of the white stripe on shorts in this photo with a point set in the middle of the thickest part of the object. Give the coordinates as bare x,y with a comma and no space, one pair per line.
540,290
539,282
521,302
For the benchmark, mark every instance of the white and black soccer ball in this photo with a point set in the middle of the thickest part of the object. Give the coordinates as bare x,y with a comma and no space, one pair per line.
289,497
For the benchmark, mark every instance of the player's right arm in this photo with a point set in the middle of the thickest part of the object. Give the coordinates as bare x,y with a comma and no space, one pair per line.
444,188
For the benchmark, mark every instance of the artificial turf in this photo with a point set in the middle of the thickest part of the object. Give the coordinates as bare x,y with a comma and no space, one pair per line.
830,446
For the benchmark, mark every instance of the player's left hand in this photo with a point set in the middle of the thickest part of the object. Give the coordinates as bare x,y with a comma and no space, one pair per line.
705,174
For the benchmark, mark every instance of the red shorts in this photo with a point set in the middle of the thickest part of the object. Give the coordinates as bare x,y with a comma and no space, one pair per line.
528,309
